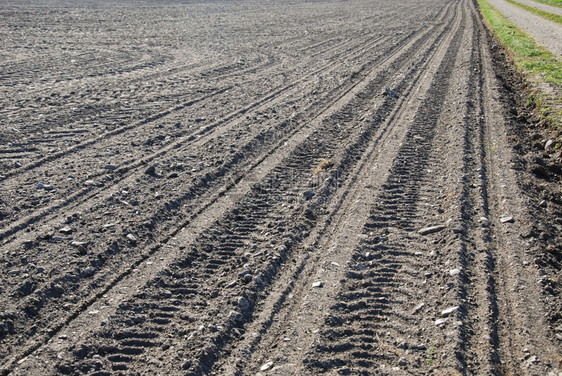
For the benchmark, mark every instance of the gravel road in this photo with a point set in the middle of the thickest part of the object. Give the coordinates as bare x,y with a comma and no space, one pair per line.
541,6
545,32
269,188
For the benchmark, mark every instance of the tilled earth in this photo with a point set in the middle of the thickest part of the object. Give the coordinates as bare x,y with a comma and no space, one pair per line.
274,188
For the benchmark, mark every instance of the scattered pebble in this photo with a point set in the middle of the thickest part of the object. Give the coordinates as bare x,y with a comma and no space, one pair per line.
431,230
266,366
418,308
243,303
76,243
308,195
531,360
448,311
508,219
543,204
317,284
454,272
40,186
484,221
441,321
66,230
151,170
388,91
402,362
132,239
110,167
548,144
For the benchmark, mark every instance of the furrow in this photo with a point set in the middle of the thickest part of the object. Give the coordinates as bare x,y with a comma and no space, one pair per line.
383,321
137,263
227,238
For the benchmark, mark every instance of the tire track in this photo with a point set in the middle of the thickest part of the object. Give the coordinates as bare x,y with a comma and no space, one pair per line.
220,75
292,293
376,324
306,169
500,319
410,48
185,137
187,140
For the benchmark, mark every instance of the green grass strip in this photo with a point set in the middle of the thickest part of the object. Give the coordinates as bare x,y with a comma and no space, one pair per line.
554,3
541,13
534,61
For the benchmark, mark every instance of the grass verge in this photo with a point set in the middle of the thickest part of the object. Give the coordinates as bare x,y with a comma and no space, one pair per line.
541,13
536,63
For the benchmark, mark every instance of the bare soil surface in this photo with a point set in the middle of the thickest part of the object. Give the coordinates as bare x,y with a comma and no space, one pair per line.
546,33
284,188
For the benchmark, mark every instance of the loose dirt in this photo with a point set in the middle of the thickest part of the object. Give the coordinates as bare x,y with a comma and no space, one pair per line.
248,188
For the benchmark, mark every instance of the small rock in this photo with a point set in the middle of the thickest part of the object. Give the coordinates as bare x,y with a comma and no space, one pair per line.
308,195
266,366
448,311
402,362
89,183
66,230
390,93
244,273
454,272
431,230
151,170
132,239
548,144
317,284
418,308
243,303
48,187
40,186
543,204
110,166
484,221
508,219
439,322
236,316
27,243
81,246
531,360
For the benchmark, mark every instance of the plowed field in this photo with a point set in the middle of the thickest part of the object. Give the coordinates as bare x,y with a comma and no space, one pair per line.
274,188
